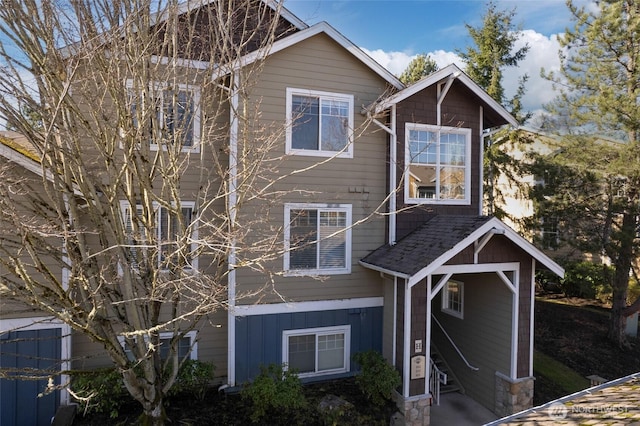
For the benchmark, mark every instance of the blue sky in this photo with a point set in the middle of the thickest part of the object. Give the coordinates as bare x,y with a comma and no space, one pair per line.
393,32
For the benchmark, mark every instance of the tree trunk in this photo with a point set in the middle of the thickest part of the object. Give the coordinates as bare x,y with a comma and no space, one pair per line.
620,285
154,414
149,395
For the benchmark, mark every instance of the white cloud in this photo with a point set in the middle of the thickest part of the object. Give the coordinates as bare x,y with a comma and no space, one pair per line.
543,53
396,62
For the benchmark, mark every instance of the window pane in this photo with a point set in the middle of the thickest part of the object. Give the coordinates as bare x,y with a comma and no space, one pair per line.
302,353
335,125
452,183
422,147
332,249
184,347
305,116
452,149
454,296
302,239
178,120
330,352
422,181
169,233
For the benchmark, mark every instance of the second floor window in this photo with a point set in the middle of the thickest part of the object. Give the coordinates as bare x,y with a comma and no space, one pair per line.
320,123
166,241
438,164
172,114
317,239
453,298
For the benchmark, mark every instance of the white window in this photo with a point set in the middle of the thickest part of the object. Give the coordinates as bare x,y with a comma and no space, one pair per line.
453,298
187,346
163,240
317,351
317,239
439,164
320,123
549,235
174,117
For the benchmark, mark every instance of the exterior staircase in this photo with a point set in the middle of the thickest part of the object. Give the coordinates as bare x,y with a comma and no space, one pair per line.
452,383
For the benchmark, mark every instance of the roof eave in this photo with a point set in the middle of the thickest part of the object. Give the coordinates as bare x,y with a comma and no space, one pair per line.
494,223
439,75
373,267
293,39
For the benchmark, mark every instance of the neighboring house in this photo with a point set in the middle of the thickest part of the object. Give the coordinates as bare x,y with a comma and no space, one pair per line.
433,276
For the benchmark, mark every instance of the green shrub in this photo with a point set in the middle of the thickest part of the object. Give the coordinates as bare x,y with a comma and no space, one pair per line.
99,391
194,378
274,389
587,280
377,379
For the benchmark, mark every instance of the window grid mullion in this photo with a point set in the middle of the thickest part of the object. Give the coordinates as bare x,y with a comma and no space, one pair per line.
319,237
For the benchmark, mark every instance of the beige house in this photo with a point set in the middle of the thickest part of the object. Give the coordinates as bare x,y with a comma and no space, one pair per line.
409,265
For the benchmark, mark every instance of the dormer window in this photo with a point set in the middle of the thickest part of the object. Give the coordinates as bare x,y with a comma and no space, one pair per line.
438,164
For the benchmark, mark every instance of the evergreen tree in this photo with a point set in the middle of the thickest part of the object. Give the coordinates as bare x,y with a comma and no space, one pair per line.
420,66
492,51
599,94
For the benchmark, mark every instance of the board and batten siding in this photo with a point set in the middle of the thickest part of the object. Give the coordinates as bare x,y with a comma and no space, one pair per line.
259,337
483,335
320,64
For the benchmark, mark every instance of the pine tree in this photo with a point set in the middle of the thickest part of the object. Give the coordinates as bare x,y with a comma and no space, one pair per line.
492,51
599,95
420,66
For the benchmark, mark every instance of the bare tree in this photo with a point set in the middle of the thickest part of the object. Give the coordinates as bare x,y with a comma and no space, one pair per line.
147,155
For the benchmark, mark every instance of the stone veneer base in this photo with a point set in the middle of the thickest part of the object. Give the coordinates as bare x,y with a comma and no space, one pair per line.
414,410
513,396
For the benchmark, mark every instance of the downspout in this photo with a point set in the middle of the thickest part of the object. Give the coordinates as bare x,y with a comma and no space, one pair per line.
393,149
232,200
406,344
392,177
482,136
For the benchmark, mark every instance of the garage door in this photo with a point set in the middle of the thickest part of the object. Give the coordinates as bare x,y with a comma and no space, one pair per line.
22,352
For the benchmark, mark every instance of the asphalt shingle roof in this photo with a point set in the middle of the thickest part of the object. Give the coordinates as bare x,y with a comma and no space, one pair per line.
613,403
424,245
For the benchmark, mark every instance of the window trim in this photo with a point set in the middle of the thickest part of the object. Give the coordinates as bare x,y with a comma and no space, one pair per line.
345,153
156,208
195,90
193,343
319,331
346,208
467,164
445,299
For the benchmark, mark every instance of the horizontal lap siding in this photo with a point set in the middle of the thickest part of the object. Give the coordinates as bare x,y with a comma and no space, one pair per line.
321,64
211,338
259,337
483,336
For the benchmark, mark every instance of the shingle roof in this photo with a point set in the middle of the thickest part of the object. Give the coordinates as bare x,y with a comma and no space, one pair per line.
616,402
20,144
424,245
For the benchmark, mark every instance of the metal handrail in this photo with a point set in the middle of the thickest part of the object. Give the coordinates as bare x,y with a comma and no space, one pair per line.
437,377
453,344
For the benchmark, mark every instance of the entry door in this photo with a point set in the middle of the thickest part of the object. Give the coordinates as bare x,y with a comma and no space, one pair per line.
23,350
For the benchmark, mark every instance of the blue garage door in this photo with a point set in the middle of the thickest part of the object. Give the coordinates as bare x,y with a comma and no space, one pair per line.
35,350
